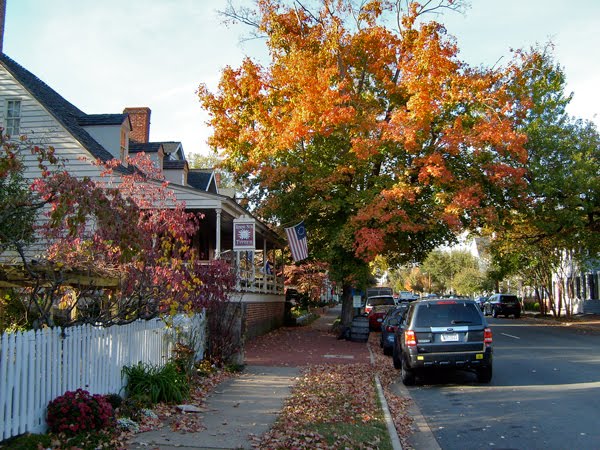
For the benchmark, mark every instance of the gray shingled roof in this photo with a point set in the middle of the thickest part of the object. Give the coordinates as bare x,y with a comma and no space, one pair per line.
146,147
199,178
68,115
171,164
102,119
173,147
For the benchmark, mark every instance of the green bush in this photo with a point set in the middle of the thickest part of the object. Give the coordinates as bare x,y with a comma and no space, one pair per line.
161,384
531,306
14,316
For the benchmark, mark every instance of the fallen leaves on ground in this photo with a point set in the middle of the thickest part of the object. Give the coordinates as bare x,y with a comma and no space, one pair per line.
397,405
338,393
324,394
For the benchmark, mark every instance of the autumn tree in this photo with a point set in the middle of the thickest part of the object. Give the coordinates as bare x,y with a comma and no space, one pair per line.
367,125
19,204
114,249
309,278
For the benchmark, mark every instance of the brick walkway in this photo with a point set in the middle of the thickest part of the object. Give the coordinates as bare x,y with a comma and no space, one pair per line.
302,345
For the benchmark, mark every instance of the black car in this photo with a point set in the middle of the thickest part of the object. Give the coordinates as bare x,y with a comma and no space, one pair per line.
502,305
441,334
481,301
388,327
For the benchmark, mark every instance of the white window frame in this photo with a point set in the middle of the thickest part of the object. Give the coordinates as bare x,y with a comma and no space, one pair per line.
12,121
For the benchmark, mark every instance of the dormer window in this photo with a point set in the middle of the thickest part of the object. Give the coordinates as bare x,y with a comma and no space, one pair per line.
13,117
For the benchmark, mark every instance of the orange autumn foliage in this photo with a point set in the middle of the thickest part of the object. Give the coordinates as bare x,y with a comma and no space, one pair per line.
372,134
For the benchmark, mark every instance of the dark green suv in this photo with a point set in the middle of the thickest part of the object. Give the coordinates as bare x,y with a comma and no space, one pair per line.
443,333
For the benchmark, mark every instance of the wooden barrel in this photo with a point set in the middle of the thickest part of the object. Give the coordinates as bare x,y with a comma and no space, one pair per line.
359,329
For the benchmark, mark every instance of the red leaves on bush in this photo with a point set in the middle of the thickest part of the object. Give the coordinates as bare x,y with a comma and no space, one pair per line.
77,411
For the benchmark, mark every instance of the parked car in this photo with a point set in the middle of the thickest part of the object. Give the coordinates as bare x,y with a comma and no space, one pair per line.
481,301
379,290
502,305
376,316
444,333
407,296
388,327
377,300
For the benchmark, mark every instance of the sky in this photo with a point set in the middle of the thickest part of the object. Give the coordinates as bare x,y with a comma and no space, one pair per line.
106,55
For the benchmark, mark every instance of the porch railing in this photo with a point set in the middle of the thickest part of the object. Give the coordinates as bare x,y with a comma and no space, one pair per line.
252,274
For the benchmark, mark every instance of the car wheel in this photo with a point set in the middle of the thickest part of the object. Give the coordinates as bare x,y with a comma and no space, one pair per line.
396,358
484,374
406,375
517,315
387,351
494,313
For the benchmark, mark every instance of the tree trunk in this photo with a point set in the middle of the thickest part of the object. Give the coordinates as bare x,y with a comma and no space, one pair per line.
541,301
347,305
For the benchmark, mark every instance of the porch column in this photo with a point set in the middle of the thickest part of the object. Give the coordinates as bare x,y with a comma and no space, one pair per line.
266,277
218,235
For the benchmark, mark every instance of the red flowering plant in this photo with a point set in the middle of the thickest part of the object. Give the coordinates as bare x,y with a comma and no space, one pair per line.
78,411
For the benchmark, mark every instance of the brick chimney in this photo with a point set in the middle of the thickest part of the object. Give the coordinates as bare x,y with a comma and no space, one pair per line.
140,124
2,19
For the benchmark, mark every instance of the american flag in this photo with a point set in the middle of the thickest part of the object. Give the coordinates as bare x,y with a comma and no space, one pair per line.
298,243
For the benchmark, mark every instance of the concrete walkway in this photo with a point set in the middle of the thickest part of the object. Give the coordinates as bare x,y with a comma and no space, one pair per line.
239,407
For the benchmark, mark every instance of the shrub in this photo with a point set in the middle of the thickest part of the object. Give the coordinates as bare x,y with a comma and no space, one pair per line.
132,407
78,411
160,384
183,358
115,400
205,368
128,424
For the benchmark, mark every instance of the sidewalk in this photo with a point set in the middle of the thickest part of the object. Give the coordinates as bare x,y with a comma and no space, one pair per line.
249,404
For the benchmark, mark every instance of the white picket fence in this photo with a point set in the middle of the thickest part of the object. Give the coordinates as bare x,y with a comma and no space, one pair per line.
37,366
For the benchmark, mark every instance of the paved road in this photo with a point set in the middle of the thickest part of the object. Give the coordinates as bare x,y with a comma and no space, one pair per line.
545,393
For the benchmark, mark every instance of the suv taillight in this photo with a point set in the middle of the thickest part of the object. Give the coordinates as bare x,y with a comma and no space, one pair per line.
487,337
410,338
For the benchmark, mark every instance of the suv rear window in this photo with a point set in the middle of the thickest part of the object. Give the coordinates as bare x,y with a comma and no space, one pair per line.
447,314
508,299
377,301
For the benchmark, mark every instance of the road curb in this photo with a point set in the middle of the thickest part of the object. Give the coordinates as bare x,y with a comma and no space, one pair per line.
389,423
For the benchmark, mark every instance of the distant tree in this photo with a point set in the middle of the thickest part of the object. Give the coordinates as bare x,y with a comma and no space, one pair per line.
469,281
367,125
562,217
446,268
215,162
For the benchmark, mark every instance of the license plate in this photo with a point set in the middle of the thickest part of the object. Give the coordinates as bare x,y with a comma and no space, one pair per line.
379,320
449,337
